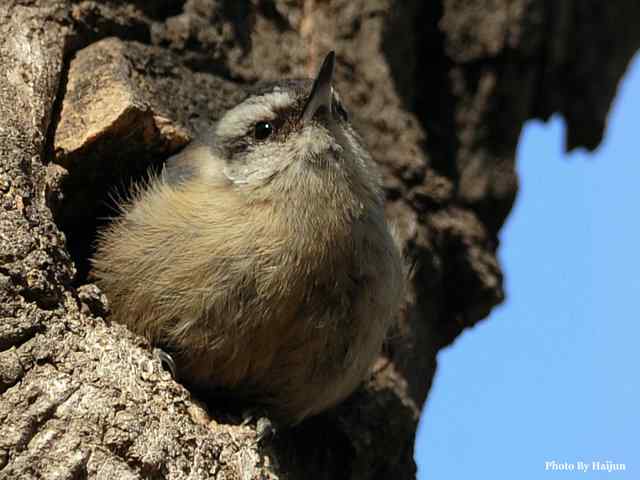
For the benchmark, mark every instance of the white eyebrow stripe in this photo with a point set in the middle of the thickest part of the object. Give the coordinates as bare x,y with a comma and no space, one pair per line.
238,120
277,99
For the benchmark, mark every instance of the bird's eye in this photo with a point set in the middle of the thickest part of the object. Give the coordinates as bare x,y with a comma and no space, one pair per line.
263,130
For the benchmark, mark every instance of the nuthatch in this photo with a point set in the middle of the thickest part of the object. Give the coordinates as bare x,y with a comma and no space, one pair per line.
260,256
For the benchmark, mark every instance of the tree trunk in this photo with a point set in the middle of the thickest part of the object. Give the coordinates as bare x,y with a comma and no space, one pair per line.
95,92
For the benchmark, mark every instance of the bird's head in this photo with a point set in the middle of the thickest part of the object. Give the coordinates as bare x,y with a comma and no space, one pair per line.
291,133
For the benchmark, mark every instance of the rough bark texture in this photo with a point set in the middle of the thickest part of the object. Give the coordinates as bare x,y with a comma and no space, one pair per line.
93,93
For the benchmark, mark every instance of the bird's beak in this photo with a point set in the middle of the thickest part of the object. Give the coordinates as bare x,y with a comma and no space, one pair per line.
320,95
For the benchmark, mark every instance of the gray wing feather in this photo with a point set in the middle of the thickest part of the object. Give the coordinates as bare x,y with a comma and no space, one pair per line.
183,166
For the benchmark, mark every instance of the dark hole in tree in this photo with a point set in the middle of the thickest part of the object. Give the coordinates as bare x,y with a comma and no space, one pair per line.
97,182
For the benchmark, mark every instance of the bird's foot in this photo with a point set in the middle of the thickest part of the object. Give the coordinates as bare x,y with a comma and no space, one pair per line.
166,361
265,428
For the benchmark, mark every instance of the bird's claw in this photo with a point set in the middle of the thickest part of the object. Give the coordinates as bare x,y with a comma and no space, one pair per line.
265,428
166,361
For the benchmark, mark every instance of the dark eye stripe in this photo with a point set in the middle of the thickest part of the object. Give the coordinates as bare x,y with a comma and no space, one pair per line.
280,126
339,108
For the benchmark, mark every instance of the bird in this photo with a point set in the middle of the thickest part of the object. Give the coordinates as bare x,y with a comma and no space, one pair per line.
260,256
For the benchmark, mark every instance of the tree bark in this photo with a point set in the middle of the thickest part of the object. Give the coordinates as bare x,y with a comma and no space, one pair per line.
93,93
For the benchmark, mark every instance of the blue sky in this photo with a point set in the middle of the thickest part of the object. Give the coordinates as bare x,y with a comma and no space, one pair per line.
554,373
